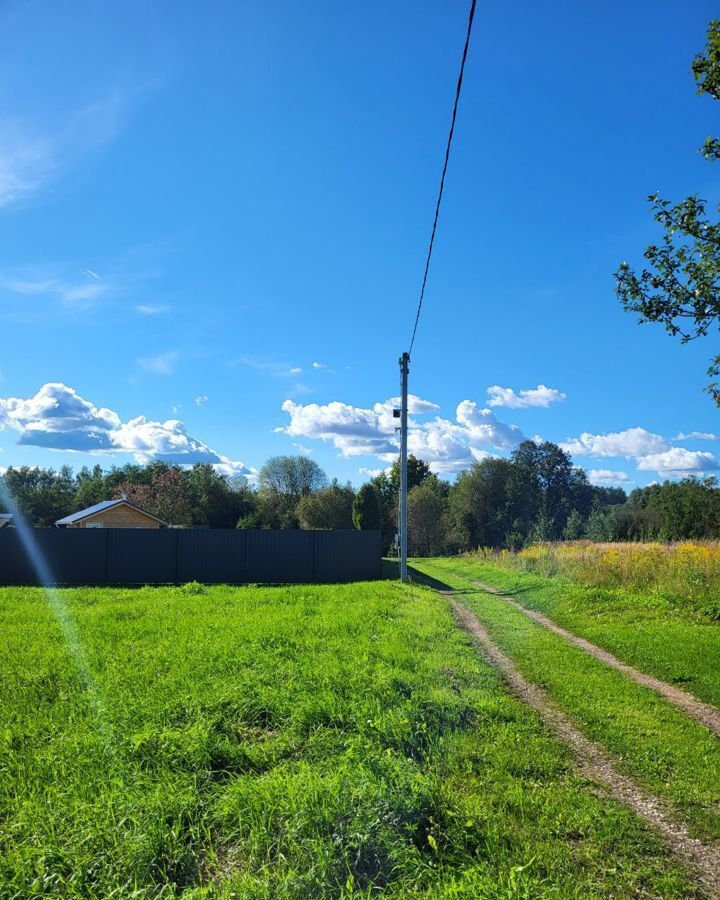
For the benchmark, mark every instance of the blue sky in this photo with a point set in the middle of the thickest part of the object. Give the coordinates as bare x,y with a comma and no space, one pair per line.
213,223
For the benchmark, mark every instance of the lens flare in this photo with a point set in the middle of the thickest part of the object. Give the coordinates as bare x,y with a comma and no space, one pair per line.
60,610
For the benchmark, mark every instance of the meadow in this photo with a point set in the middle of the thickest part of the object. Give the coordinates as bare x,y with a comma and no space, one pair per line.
655,606
294,742
685,574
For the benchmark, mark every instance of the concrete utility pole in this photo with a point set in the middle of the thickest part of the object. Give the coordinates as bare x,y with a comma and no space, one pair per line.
404,368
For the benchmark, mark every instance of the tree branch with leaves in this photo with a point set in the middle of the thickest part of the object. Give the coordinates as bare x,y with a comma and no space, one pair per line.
679,286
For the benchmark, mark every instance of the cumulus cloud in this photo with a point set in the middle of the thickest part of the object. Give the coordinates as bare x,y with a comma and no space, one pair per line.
678,462
651,452
319,365
58,418
372,473
484,428
697,436
416,405
607,477
542,396
631,443
449,447
443,444
354,431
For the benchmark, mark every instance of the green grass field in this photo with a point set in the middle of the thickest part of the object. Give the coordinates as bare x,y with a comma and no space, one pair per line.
301,742
668,753
673,641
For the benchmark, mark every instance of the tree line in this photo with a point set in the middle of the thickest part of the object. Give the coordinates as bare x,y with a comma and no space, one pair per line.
536,494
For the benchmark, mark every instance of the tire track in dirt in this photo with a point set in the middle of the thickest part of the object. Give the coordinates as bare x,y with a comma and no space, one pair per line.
594,763
701,712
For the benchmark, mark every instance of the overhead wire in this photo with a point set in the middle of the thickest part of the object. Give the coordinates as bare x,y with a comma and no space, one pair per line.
444,172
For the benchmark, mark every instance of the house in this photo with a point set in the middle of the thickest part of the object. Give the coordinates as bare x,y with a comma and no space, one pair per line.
112,514
5,519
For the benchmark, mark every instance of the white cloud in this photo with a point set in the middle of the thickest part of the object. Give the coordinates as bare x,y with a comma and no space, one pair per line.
352,430
416,405
541,396
26,161
449,447
633,442
152,309
31,157
201,400
301,448
606,477
319,365
161,364
58,418
269,367
651,452
442,444
372,473
484,428
76,294
697,436
678,462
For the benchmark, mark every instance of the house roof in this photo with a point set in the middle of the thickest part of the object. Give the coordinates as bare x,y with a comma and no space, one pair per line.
100,507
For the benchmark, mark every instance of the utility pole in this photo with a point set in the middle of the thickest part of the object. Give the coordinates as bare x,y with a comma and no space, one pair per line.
404,367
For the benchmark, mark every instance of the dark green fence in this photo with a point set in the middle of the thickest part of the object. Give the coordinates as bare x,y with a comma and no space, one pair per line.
87,556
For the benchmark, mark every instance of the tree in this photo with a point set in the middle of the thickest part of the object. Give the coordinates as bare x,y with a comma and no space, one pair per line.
479,509
292,476
427,520
388,499
330,507
167,496
42,496
543,489
599,527
574,527
417,471
679,287
366,510
90,487
214,503
283,481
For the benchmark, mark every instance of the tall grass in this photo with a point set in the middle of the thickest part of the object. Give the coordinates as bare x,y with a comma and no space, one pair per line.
683,573
287,744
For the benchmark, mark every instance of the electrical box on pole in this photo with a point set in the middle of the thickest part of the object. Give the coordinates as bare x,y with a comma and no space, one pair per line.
404,368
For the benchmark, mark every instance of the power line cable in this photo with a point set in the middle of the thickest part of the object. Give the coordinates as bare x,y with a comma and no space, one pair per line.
444,172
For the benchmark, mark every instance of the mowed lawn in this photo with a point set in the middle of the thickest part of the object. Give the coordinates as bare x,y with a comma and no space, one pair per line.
287,742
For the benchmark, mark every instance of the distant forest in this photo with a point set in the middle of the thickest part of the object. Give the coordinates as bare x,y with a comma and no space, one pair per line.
537,494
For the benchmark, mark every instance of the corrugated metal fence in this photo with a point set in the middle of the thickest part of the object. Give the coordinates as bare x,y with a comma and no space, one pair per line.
85,556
